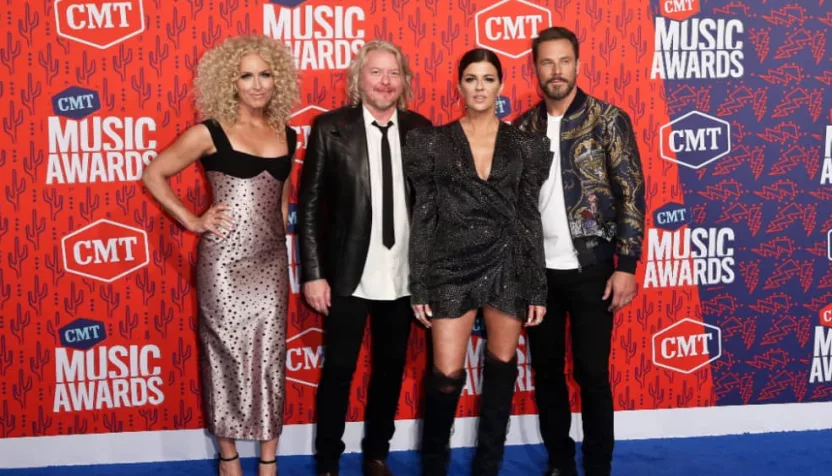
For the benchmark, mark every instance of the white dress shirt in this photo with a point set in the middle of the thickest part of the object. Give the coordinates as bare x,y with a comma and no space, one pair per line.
385,275
557,240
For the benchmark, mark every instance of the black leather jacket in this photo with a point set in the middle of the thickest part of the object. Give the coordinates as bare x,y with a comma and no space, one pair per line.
334,209
603,181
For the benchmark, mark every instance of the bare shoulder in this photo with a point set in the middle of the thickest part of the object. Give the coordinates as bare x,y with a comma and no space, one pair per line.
196,138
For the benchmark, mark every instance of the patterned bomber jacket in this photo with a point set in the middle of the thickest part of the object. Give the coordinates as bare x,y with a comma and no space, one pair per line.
603,182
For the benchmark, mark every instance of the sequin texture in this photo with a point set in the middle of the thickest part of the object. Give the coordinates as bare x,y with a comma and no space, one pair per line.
243,292
475,242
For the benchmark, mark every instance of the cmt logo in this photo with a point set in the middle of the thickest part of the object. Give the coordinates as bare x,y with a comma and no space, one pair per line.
76,103
503,107
671,216
99,23
508,27
687,346
105,250
82,334
301,122
305,357
695,140
826,316
679,10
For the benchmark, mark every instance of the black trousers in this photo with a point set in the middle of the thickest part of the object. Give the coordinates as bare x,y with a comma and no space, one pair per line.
579,294
390,323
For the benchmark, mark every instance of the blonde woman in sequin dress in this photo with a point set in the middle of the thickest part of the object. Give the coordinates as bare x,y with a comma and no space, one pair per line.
245,88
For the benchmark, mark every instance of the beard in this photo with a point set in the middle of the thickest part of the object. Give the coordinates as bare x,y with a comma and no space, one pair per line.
378,102
557,91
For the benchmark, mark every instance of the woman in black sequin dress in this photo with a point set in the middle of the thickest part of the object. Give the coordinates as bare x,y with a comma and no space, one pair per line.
476,242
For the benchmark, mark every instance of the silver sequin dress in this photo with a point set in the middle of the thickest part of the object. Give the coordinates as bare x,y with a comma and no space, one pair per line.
243,292
472,241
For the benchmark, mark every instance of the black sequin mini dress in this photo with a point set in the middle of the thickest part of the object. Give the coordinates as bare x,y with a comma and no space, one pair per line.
474,241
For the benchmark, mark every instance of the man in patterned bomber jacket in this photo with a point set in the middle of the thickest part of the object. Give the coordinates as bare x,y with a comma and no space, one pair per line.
592,208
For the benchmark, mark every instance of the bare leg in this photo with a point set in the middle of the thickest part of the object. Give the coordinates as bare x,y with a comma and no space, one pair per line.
268,452
444,384
228,449
450,340
503,333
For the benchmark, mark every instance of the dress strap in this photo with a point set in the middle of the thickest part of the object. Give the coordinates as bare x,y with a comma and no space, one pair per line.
291,141
221,141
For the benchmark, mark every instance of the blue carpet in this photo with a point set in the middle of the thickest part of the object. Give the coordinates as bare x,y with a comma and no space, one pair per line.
772,454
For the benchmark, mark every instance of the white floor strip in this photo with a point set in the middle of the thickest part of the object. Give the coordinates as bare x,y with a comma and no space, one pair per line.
150,446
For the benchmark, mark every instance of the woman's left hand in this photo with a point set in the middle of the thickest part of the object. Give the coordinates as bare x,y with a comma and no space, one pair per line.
535,315
422,312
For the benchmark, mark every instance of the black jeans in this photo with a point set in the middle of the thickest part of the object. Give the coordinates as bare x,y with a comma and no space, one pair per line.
579,294
390,323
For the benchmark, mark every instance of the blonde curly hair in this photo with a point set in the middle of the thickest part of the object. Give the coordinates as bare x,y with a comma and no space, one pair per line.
357,64
218,70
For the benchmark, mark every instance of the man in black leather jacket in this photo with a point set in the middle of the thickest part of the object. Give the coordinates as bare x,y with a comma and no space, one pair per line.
354,209
592,208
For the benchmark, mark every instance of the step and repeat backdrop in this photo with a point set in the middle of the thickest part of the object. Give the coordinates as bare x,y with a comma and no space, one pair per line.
731,103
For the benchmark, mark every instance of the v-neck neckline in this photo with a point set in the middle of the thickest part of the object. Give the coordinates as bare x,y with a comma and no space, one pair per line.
470,151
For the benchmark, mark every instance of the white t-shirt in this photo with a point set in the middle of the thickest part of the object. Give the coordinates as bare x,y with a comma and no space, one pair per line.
557,241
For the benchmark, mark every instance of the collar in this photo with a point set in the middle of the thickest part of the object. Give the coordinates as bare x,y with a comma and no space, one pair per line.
575,106
369,119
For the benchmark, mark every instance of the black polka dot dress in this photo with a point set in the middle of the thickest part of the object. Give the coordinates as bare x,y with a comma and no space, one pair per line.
243,294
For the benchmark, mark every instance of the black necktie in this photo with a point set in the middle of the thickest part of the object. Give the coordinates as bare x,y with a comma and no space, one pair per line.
388,236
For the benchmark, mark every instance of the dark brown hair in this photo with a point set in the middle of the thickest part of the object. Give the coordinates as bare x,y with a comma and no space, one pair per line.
478,55
555,33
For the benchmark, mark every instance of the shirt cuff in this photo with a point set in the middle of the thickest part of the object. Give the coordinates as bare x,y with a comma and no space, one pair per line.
418,295
626,264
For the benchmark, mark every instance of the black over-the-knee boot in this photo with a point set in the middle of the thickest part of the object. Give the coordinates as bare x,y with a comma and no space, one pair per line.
495,410
441,398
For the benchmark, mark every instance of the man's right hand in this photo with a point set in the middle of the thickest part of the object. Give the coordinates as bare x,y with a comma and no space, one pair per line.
318,295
